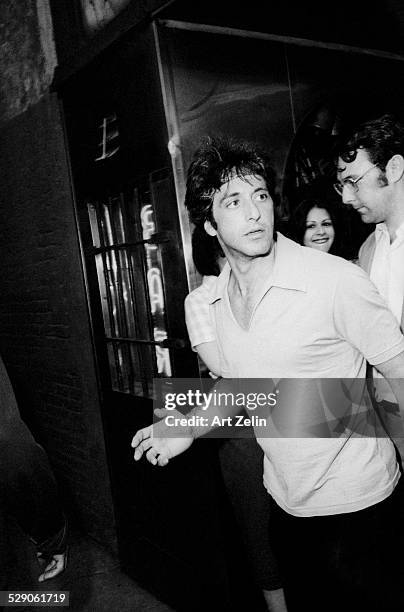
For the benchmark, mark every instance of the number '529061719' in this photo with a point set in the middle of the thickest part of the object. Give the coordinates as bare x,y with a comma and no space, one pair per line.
34,597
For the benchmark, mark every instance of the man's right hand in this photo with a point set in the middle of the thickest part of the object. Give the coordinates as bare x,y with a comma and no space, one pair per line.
157,441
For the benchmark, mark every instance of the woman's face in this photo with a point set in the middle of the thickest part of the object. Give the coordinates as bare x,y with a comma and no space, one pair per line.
320,231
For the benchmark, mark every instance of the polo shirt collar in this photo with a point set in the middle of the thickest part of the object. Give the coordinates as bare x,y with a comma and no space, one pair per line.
381,230
289,270
400,233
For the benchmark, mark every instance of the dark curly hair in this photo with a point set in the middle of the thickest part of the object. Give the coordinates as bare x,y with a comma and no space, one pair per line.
213,164
381,138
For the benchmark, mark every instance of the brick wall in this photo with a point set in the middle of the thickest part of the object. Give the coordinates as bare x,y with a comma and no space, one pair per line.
44,328
27,54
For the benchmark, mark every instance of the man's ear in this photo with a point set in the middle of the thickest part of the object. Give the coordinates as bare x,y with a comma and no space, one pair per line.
395,168
209,229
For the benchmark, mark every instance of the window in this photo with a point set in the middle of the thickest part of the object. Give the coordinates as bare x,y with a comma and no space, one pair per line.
127,251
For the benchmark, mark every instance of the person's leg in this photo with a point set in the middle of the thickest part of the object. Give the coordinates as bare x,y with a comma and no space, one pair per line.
4,550
32,494
29,489
293,552
241,462
341,562
370,566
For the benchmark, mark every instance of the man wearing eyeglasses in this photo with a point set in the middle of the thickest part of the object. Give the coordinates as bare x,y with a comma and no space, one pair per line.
371,180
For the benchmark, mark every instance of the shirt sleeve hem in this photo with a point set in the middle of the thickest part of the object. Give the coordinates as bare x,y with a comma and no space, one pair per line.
196,341
388,354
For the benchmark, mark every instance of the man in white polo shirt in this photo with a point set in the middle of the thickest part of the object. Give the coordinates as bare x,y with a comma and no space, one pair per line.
285,311
371,180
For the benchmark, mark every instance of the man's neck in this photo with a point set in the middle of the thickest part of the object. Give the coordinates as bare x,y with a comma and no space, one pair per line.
395,216
247,274
394,221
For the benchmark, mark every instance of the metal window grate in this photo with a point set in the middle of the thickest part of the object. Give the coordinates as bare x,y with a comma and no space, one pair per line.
127,253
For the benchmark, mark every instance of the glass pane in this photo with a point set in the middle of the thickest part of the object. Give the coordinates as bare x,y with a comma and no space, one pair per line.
131,289
155,284
220,88
127,367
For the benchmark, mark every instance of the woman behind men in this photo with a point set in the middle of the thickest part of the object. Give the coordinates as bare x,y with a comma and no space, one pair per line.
315,226
320,222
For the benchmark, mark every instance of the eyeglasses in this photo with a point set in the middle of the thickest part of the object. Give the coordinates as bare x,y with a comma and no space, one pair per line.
352,184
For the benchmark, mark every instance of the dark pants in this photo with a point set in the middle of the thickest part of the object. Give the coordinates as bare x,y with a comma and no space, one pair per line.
348,562
242,464
28,490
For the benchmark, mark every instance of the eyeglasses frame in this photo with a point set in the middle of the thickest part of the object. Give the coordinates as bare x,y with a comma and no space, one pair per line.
353,184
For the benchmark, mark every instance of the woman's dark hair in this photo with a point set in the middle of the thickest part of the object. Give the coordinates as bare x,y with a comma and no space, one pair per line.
206,251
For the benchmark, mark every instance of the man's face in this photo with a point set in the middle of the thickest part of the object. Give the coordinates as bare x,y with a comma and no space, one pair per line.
244,214
371,197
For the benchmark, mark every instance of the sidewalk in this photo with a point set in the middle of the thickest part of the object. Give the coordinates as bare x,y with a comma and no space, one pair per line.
92,577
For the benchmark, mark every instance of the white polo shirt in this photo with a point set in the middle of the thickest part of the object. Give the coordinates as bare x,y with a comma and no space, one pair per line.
317,316
387,273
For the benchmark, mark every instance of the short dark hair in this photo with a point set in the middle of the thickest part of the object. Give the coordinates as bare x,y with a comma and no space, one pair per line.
216,162
381,138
